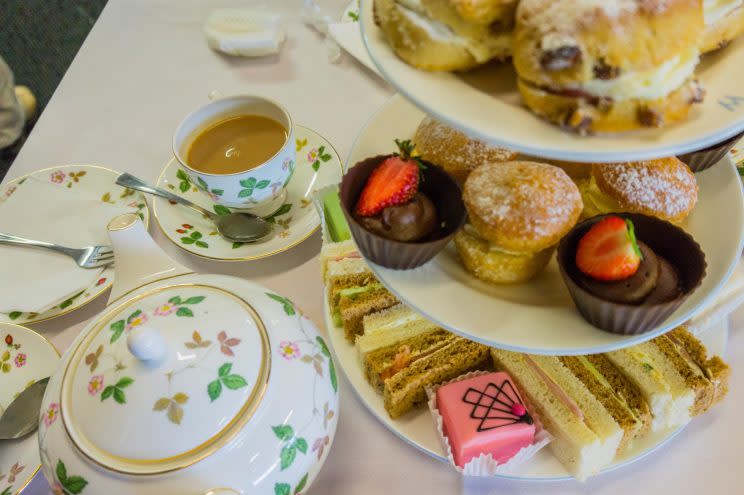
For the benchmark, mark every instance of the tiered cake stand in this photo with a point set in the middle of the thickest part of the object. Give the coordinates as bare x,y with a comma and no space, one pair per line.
539,317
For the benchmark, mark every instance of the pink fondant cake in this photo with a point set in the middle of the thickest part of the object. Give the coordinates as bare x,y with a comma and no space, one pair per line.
484,415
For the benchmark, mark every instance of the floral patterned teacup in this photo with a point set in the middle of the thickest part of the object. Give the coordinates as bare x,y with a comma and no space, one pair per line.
261,188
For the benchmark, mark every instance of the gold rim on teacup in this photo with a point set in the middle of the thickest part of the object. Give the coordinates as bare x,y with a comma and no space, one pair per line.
257,188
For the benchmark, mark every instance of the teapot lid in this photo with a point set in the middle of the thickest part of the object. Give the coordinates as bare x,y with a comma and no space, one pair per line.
165,378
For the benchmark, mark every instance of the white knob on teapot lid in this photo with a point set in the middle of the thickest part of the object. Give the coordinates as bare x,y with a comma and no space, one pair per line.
146,344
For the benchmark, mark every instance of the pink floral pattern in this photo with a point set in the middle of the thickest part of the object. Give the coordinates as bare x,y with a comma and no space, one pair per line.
320,444
57,489
58,176
51,414
165,309
138,320
289,350
313,155
10,191
95,384
20,360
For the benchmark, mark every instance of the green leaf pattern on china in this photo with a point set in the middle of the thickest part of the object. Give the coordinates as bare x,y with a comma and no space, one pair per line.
195,238
250,185
184,183
117,390
282,489
301,485
323,155
221,210
202,183
13,315
331,366
283,210
71,484
225,378
291,445
7,490
117,328
286,303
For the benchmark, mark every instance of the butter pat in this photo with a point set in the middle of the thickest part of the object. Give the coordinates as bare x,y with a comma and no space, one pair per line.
245,32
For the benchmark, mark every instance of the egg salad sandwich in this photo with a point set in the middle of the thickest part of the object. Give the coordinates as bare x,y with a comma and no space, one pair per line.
618,395
586,434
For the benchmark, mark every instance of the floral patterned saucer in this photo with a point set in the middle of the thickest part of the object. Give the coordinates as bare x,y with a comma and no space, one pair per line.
318,165
92,179
25,357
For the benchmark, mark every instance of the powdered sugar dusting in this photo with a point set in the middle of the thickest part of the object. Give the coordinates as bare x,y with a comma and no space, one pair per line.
532,197
435,139
665,186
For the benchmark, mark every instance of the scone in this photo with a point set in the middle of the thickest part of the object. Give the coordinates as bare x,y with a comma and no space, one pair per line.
665,188
447,35
518,212
724,21
454,151
608,66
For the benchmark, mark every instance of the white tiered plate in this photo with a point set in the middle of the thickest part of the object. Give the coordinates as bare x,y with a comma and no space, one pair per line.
417,428
539,316
486,103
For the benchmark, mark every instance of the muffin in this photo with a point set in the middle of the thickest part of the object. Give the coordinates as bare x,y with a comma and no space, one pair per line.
628,272
665,188
447,35
518,211
724,21
608,66
454,151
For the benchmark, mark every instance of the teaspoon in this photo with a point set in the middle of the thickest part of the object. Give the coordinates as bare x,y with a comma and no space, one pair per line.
234,227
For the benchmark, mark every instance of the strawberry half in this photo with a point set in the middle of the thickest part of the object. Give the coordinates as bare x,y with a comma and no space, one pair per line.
394,182
609,250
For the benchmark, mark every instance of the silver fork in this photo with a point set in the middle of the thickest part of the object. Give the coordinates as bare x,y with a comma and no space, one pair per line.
87,257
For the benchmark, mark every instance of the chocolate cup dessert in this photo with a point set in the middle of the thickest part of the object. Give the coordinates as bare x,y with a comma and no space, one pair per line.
704,159
437,185
668,242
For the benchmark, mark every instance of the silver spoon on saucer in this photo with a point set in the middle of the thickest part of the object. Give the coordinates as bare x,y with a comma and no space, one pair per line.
22,415
234,227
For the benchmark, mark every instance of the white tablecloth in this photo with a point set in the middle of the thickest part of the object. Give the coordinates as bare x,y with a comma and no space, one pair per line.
144,66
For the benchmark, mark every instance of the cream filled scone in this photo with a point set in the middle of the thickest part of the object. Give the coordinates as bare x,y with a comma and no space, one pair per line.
611,65
724,21
454,151
447,35
518,212
665,188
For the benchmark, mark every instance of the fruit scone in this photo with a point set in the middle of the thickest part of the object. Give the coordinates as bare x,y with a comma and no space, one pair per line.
724,21
447,35
608,65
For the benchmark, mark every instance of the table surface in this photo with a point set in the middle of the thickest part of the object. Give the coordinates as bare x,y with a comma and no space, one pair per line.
144,66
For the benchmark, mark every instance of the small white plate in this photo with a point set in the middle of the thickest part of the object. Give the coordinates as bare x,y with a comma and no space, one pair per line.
318,165
417,428
539,317
30,357
94,180
486,103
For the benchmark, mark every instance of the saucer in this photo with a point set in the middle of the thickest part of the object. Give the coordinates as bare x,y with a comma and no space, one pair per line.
25,358
318,165
92,179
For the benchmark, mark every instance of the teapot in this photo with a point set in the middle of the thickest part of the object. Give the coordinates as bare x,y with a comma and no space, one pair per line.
188,383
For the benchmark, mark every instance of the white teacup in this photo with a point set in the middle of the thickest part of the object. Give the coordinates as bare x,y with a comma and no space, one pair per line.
261,189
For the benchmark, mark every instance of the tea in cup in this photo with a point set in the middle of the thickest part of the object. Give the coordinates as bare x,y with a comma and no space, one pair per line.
240,150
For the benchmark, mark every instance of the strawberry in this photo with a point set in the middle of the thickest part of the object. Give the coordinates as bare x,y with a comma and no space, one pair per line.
609,250
394,182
